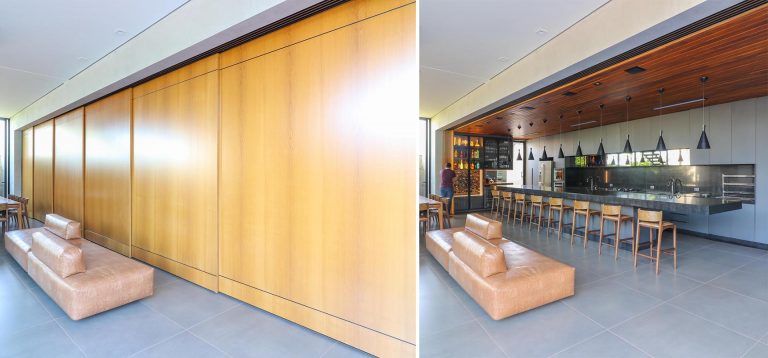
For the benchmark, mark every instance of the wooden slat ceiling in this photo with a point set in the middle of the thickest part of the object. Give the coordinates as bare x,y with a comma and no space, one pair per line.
732,53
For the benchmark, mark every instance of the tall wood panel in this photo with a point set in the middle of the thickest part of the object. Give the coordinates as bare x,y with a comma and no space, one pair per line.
27,166
43,170
317,194
107,199
68,166
175,160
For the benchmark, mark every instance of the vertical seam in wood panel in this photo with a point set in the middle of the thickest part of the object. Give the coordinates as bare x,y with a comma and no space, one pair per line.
130,196
218,173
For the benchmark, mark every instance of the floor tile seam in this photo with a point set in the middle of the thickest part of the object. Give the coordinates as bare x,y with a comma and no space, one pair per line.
210,344
36,325
490,336
447,284
34,296
161,314
156,344
711,321
698,284
762,300
749,349
61,327
577,343
328,349
630,343
736,253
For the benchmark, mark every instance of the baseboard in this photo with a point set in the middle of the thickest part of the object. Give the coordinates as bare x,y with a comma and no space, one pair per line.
366,339
109,243
188,273
726,239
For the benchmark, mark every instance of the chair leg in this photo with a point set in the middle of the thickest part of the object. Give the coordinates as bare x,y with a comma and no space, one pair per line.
635,239
600,239
586,229
674,246
573,226
658,251
560,224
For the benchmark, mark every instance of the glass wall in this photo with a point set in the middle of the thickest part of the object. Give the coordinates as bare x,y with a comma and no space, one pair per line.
424,160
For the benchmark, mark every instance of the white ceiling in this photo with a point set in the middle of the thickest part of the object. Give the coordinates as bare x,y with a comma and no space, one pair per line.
463,44
44,43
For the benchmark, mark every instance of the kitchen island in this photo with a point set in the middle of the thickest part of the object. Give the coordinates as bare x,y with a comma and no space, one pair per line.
682,204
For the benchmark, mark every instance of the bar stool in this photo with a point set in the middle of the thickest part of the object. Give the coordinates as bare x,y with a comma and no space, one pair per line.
506,204
522,204
581,208
556,206
495,202
446,213
613,213
654,220
537,201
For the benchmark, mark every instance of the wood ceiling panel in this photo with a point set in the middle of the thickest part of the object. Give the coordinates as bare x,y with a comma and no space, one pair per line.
732,53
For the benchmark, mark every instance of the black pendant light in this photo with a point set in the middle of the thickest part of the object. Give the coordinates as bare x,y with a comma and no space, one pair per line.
530,155
520,154
660,145
544,154
560,153
600,149
627,145
703,140
578,149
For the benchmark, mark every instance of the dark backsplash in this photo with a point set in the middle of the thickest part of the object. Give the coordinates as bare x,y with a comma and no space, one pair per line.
708,178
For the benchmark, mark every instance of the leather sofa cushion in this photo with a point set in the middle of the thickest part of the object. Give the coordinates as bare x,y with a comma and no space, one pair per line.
61,257
62,227
484,227
439,243
18,243
480,255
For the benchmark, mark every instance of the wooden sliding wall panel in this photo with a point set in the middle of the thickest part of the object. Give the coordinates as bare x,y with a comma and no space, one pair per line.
27,166
317,182
175,159
108,172
68,167
43,170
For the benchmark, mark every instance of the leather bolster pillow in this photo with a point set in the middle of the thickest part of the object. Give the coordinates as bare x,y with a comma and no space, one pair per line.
484,227
60,256
481,256
62,227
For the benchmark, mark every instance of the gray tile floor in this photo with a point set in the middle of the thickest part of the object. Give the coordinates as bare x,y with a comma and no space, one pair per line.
179,320
715,305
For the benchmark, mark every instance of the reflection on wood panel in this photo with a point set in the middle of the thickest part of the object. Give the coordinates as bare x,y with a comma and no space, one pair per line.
68,166
317,196
27,166
175,133
108,172
43,170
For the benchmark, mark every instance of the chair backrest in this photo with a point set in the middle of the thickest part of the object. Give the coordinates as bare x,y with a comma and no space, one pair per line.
611,210
495,193
423,207
580,205
650,216
537,199
446,202
506,195
555,202
519,196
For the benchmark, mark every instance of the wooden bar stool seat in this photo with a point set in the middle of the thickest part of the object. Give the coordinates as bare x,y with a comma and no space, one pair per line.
654,220
495,202
520,203
613,214
537,201
582,208
556,206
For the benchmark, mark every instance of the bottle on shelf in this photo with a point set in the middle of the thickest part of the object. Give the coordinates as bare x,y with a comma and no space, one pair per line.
455,153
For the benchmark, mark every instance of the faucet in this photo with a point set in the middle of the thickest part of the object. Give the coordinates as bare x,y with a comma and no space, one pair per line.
591,181
674,186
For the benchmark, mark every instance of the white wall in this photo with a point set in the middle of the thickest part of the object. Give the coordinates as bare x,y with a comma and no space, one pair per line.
734,130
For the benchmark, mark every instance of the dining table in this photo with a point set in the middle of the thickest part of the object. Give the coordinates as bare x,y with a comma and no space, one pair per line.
12,204
429,204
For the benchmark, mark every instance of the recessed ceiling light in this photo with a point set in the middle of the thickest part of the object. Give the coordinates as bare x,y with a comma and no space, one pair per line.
518,126
541,31
597,83
119,32
503,59
635,70
569,94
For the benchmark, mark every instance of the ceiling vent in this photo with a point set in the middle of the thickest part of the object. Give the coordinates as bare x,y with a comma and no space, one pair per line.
635,70
569,94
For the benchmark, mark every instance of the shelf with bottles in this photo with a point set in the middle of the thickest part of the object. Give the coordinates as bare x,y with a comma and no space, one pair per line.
467,152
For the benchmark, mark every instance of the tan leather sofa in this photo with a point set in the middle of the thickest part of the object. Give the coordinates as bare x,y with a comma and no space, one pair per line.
503,277
83,278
